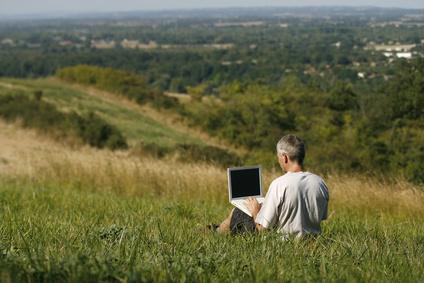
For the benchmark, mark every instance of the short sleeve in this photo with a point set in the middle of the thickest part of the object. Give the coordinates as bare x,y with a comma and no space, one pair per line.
326,196
268,214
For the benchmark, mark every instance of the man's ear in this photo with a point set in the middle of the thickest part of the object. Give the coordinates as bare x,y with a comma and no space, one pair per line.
286,159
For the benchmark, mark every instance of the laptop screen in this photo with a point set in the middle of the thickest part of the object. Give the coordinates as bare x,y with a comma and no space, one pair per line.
244,182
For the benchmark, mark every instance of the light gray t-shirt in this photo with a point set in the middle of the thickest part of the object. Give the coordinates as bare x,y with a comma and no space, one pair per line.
295,204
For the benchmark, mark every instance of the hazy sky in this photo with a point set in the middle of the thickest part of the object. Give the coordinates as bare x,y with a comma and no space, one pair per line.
48,6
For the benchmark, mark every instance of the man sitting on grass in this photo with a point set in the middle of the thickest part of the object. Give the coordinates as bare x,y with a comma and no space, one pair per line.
295,203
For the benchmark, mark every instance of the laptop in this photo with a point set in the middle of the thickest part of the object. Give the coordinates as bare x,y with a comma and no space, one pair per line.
244,182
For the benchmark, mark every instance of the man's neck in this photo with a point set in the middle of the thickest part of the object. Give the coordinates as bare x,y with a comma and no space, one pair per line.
293,168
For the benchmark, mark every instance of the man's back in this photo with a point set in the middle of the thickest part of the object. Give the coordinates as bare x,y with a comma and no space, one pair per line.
295,204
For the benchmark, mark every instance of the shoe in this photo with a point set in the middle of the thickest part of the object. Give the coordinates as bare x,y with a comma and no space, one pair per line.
212,227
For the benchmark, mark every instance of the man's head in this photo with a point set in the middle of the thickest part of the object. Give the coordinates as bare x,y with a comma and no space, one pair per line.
291,152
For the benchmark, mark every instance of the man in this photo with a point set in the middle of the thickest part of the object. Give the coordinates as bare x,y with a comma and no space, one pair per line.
295,203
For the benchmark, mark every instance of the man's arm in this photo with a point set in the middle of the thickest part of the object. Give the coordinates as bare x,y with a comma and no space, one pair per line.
265,215
254,208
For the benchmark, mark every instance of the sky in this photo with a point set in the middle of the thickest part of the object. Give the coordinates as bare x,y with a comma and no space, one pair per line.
16,7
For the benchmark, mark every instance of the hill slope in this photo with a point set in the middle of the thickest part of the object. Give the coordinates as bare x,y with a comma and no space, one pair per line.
137,123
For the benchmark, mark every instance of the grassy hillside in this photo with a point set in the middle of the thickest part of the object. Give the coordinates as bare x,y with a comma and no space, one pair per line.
93,215
130,119
346,129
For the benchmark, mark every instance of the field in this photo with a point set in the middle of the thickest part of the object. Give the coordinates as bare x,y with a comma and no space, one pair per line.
88,215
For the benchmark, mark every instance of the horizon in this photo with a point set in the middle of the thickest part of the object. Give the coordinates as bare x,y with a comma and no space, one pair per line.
50,7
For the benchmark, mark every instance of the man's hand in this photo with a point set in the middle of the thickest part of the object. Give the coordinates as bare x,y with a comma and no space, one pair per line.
253,206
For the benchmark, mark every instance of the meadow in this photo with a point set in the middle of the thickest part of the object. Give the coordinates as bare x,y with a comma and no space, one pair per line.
88,215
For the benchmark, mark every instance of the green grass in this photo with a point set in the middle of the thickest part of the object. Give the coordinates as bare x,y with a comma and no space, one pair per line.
48,233
134,125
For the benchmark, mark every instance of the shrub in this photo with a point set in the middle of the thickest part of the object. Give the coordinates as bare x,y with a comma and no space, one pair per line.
128,84
162,101
96,132
38,94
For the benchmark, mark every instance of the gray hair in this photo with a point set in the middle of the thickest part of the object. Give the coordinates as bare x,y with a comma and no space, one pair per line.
293,146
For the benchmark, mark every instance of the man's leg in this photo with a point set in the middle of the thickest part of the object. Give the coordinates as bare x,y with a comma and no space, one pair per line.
224,227
241,222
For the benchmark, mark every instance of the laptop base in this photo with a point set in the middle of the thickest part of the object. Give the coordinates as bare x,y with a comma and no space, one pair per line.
241,204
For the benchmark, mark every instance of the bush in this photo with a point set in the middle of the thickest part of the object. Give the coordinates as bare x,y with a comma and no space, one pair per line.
162,101
96,132
128,84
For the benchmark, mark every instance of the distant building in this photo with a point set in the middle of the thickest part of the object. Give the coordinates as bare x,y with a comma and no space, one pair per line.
404,55
132,44
391,47
337,44
361,75
103,44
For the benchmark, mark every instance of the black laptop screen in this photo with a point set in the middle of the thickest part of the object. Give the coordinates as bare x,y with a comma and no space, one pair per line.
245,182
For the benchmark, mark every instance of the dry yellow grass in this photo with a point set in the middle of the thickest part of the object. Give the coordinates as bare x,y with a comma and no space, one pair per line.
27,157
369,196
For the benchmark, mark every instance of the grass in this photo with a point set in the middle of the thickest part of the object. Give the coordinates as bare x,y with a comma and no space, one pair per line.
132,122
91,215
49,235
